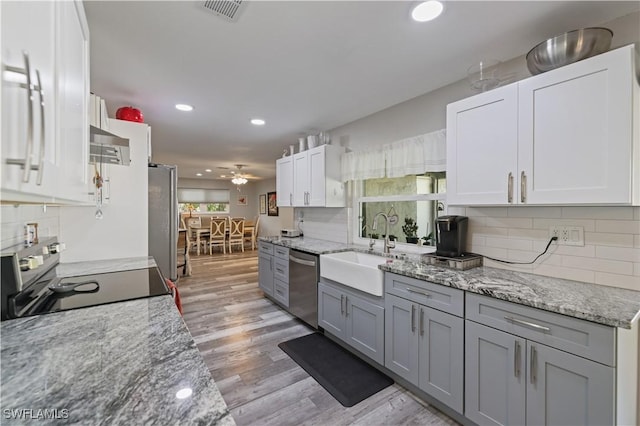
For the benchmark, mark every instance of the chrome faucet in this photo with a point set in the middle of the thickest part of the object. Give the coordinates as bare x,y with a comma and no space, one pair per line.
372,242
388,244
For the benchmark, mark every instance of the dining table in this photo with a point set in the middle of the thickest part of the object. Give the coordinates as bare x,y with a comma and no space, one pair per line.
199,232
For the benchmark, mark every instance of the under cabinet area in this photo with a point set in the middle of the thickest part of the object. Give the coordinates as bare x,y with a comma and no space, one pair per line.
355,318
530,367
311,178
566,136
424,345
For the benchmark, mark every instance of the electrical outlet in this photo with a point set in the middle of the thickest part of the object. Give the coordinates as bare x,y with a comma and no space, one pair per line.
568,235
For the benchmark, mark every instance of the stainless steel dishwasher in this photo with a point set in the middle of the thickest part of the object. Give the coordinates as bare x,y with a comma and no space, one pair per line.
303,286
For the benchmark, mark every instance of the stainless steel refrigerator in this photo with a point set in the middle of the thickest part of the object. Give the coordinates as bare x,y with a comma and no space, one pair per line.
163,218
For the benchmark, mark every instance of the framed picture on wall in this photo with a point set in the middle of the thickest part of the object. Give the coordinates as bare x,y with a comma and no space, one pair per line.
272,206
263,203
242,200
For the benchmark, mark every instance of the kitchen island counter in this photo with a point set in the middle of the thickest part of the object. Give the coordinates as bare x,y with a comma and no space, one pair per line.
121,363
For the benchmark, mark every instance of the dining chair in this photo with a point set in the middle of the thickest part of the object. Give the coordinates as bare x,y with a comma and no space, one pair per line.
218,234
183,252
236,233
251,232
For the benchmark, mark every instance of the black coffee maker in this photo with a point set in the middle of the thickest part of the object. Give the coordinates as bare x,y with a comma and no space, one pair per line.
451,235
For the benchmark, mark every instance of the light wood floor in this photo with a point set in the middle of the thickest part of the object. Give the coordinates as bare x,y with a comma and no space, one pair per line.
237,331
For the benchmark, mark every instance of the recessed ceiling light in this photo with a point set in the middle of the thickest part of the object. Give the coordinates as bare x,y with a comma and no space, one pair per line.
184,107
198,174
426,11
208,170
257,121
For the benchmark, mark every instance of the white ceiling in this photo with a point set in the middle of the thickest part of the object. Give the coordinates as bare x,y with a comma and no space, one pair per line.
303,66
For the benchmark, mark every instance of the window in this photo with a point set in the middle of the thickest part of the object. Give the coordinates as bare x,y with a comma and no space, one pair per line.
200,200
416,199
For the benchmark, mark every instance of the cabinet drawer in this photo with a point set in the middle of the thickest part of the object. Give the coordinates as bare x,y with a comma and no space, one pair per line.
281,292
281,252
281,269
446,299
265,247
579,337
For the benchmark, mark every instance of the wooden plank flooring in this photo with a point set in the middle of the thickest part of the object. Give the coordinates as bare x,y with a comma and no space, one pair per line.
237,331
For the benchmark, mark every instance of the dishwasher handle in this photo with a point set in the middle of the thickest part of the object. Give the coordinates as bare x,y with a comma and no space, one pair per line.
302,261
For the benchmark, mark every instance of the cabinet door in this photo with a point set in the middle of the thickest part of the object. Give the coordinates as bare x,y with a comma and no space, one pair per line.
331,306
265,273
401,338
300,179
284,181
73,90
494,376
482,138
441,352
317,179
28,136
365,327
564,389
575,134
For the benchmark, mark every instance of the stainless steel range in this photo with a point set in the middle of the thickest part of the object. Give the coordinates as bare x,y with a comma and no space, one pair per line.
30,285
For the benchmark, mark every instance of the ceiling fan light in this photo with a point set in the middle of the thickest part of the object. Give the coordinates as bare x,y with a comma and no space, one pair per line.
427,11
238,180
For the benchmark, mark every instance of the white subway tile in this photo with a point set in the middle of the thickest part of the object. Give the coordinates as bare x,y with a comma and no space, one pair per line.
585,251
636,241
476,239
456,210
588,225
616,280
636,213
621,213
636,268
483,230
507,266
602,265
509,243
487,211
535,234
476,221
618,226
536,212
566,273
508,222
618,253
602,239
499,253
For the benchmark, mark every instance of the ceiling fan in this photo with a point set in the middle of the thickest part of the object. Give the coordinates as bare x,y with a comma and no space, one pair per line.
238,178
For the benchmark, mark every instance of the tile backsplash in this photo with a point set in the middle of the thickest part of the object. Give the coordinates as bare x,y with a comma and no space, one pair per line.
610,255
323,223
13,219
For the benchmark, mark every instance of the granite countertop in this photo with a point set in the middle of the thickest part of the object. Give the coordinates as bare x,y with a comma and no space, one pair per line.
121,363
616,307
611,306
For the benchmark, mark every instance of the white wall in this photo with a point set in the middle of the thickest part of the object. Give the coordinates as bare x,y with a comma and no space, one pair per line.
123,231
611,255
271,225
236,210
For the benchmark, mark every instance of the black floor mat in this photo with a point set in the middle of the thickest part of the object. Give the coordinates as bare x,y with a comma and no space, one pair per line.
347,378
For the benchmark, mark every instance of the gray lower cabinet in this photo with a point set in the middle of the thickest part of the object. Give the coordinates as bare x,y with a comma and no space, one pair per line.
353,319
513,380
425,347
265,267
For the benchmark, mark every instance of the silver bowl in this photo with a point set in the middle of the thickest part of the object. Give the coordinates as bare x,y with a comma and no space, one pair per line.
568,48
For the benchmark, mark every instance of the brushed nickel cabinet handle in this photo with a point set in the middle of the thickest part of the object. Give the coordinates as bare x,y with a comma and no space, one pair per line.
422,321
342,304
523,187
528,324
410,290
516,360
413,312
510,188
290,199
40,165
26,162
533,365
346,306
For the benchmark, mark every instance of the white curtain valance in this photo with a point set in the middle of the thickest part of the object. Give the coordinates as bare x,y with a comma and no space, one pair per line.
411,156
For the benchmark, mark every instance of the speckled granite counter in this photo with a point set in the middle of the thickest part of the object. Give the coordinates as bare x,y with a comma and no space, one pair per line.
309,245
118,364
605,305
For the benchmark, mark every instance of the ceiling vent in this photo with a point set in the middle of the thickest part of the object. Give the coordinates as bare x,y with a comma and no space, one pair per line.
229,10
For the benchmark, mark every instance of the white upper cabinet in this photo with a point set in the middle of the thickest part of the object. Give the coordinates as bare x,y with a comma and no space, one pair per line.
284,181
311,178
45,74
568,136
